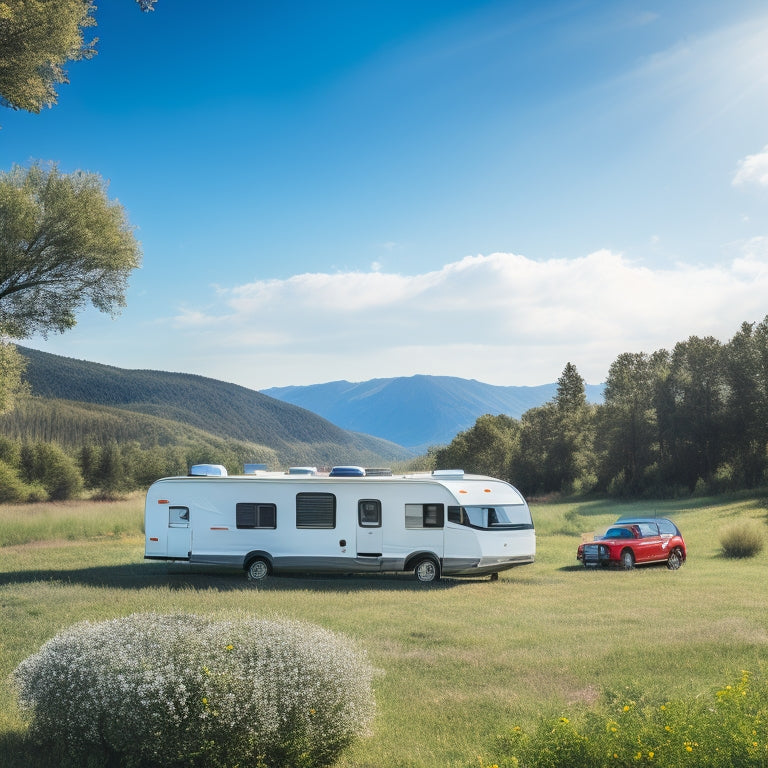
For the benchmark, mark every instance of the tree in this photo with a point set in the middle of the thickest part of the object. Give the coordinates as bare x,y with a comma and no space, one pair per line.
628,427
488,448
62,243
12,366
37,39
699,387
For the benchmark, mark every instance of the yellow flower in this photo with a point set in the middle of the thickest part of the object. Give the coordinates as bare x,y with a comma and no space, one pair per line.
205,701
688,748
650,755
229,647
626,707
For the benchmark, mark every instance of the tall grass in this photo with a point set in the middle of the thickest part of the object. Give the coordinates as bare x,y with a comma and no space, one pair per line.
463,660
69,520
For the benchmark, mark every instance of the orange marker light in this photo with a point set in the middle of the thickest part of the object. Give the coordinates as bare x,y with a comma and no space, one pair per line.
163,501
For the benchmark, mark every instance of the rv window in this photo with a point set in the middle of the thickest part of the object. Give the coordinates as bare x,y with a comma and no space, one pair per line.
369,513
256,515
424,515
178,517
315,510
457,515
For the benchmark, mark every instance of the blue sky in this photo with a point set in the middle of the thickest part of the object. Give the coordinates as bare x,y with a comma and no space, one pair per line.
353,190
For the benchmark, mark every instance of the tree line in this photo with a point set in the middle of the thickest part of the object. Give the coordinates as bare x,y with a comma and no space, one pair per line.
693,419
36,470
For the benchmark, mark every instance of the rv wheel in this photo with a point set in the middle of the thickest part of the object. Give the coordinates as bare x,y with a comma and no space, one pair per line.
258,569
427,570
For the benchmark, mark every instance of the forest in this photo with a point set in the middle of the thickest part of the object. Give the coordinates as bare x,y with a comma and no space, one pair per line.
673,423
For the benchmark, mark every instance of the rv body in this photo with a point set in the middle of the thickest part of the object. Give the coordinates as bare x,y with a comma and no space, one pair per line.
444,523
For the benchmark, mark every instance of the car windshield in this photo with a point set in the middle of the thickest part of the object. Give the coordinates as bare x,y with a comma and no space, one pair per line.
618,533
498,516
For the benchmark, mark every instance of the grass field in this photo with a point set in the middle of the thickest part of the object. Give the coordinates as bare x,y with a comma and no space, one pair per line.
461,661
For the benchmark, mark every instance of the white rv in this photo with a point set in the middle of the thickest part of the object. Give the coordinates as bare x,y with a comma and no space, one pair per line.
445,523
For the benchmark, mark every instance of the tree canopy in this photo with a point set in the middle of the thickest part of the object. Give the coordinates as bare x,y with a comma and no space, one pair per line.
63,243
37,39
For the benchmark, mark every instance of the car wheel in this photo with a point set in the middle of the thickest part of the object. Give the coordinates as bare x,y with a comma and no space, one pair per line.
258,569
627,560
675,559
427,570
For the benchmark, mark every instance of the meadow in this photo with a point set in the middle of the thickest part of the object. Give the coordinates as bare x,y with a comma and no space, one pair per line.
460,662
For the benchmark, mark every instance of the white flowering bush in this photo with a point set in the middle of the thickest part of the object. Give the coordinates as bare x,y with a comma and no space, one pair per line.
182,690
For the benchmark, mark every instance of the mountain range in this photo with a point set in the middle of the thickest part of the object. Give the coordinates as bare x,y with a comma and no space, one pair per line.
340,422
417,411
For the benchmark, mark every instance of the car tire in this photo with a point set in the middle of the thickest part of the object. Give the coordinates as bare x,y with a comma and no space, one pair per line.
627,560
675,559
258,569
427,570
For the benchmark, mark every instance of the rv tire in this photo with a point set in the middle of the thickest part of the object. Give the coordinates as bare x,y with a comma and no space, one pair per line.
427,570
258,569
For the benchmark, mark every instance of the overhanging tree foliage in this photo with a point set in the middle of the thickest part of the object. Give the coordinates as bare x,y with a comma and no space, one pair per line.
63,244
37,39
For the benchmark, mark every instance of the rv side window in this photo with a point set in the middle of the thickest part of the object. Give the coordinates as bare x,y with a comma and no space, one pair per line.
178,517
424,515
369,513
256,515
315,510
457,515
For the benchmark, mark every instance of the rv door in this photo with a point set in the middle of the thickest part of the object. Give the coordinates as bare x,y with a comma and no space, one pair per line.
179,532
369,539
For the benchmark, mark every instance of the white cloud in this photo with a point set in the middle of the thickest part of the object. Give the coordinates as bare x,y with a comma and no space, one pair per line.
753,169
501,318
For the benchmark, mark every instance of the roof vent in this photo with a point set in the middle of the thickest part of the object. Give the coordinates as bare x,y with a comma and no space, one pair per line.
378,472
448,473
207,470
347,472
252,469
302,470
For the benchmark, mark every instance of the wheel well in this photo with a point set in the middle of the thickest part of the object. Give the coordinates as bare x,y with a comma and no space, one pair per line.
256,554
412,560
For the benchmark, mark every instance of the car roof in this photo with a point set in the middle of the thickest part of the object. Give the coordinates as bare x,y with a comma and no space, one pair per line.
628,520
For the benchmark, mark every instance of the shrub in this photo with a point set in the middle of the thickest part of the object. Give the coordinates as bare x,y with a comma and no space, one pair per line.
181,690
14,490
742,539
726,729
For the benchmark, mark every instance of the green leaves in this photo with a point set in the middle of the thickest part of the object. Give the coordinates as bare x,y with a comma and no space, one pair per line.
63,244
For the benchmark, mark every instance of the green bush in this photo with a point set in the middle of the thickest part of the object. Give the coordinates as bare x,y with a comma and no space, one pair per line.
726,729
14,490
742,539
181,690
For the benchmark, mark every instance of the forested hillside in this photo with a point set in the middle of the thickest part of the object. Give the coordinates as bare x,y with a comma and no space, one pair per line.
107,430
225,410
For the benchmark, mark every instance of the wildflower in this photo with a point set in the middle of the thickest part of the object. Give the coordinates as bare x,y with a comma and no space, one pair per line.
626,707
229,647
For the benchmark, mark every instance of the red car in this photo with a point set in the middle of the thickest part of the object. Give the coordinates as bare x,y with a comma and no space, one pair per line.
636,541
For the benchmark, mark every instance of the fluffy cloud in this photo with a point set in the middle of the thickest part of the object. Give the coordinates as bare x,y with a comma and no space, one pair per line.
501,318
753,169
